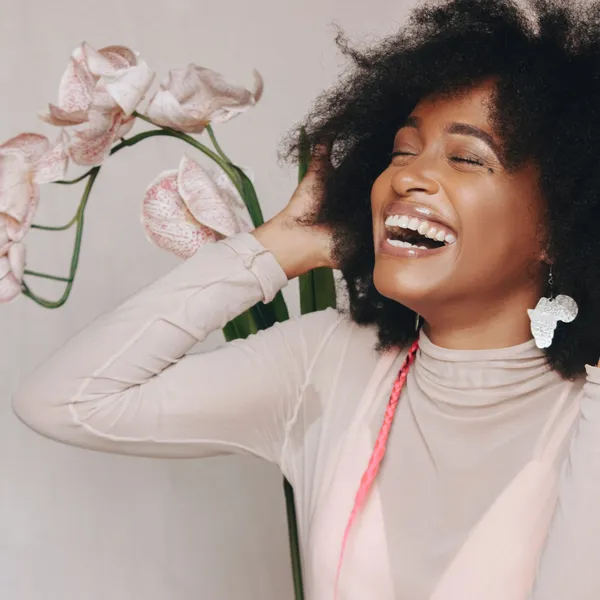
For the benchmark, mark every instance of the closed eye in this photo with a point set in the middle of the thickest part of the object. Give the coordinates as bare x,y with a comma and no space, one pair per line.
465,159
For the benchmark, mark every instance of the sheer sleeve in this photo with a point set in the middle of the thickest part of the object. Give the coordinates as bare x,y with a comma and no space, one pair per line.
127,383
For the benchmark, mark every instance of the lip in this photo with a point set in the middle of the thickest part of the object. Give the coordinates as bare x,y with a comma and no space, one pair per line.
386,248
411,209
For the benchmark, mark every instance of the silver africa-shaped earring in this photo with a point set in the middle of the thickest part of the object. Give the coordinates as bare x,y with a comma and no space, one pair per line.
548,312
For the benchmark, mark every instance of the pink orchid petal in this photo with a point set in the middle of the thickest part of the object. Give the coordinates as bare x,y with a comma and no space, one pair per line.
4,237
237,100
183,102
183,83
10,282
204,200
120,57
227,188
102,62
16,259
125,79
52,166
10,287
128,87
13,172
61,118
18,229
227,100
167,222
259,86
31,145
17,192
125,126
76,85
102,101
165,110
90,147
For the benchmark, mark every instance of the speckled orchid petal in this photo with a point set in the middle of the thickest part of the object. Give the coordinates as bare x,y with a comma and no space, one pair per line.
226,186
74,93
4,237
98,94
52,165
124,127
204,199
233,100
165,110
190,98
227,189
17,191
18,229
77,83
167,221
61,118
125,78
120,56
90,146
31,145
12,266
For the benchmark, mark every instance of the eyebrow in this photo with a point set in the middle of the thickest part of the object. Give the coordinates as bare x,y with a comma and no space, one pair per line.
461,129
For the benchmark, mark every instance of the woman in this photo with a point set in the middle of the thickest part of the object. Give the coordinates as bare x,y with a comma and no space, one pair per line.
488,203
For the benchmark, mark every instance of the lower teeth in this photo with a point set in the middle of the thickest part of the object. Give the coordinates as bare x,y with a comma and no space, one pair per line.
400,244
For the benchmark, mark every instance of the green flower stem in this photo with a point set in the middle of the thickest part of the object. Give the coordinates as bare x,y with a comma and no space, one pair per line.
46,276
263,315
76,180
76,250
60,228
218,148
223,163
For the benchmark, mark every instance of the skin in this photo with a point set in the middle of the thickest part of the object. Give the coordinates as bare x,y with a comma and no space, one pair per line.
474,294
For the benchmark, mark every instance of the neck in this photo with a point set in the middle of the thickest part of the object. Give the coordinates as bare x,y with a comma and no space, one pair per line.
499,324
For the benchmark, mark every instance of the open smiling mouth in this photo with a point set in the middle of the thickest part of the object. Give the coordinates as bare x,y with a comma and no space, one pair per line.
403,231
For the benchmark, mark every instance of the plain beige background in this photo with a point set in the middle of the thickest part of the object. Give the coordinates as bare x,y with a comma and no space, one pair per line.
75,525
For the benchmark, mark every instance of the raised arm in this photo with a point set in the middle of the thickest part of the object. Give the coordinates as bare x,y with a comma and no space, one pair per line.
126,383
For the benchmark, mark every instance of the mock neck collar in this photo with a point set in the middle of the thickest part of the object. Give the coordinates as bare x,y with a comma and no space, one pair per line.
481,377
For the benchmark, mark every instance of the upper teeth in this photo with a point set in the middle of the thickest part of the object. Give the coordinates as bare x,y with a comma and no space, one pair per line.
423,227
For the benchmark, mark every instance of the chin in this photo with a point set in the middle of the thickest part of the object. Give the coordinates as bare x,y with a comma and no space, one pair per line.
409,282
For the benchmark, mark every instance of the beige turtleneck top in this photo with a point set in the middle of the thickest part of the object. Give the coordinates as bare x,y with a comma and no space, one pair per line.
484,466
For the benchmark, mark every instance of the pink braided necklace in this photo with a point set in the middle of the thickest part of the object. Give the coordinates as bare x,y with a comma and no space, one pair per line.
378,453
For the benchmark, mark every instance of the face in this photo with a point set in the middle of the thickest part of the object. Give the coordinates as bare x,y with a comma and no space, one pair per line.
454,230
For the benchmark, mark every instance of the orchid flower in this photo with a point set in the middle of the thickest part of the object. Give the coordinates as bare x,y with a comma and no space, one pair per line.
98,94
187,208
189,99
26,161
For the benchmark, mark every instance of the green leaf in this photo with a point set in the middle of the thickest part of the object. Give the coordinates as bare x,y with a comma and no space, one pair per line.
317,290
250,198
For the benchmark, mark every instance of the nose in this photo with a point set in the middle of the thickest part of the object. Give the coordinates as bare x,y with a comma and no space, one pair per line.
414,177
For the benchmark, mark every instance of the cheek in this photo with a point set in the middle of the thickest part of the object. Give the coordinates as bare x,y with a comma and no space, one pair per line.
501,227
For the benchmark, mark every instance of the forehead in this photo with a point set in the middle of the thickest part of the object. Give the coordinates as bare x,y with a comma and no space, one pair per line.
471,106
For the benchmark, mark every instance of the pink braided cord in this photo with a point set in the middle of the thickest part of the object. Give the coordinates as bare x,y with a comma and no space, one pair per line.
377,455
